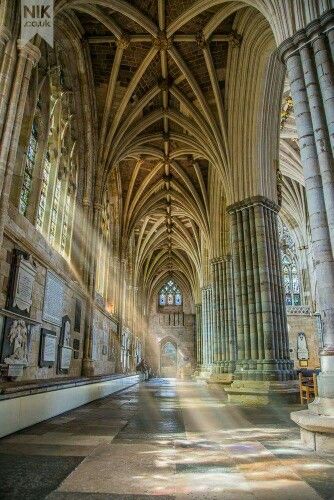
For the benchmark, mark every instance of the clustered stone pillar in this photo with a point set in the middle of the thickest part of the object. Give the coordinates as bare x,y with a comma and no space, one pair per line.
224,341
263,363
199,343
309,62
207,330
88,365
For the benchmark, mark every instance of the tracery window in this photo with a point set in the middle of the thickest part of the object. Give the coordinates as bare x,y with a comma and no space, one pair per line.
28,171
170,295
291,282
59,171
54,213
291,276
44,191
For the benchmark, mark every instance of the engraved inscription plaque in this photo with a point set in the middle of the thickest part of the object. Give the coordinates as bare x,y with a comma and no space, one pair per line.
24,283
65,356
22,280
53,299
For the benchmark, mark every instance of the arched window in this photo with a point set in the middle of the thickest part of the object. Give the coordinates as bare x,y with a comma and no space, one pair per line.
170,295
44,191
59,171
291,278
28,171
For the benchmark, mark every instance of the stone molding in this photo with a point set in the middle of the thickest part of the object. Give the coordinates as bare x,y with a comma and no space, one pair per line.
29,51
304,36
251,202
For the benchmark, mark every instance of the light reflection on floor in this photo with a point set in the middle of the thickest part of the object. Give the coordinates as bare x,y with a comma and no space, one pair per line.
181,440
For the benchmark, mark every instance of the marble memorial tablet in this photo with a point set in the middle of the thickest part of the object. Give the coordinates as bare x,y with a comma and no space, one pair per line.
53,299
65,356
21,283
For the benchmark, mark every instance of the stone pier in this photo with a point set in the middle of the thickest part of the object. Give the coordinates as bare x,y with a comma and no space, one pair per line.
263,368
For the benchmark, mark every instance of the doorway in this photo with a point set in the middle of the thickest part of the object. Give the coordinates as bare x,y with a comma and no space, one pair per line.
168,359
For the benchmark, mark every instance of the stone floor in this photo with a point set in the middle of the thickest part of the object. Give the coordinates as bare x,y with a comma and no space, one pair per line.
168,439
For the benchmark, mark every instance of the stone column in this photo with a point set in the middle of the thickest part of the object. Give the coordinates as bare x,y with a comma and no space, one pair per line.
324,67
210,327
199,351
88,362
228,313
206,329
28,56
224,324
309,62
7,63
217,330
263,366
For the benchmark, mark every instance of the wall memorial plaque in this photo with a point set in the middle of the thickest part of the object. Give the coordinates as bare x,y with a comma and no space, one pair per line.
53,299
65,356
22,280
48,348
302,349
65,349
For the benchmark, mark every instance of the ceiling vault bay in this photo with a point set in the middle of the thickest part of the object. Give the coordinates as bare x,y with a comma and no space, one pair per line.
159,81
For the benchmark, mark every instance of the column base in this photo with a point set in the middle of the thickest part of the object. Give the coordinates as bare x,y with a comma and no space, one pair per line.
203,373
257,392
220,378
88,368
316,431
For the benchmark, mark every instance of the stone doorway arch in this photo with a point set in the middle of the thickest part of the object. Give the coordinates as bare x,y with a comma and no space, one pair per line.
168,358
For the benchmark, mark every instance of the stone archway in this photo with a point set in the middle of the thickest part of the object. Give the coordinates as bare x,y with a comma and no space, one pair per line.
168,359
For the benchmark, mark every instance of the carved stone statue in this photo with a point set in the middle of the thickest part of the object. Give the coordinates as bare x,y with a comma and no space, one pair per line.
18,337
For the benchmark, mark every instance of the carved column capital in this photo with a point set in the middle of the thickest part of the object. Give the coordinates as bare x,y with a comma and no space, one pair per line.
253,201
29,51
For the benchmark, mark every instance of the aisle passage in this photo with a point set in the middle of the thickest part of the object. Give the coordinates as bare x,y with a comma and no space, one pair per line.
164,438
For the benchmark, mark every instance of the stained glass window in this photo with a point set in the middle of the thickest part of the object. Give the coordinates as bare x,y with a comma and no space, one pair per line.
44,190
291,279
64,234
170,295
55,209
28,171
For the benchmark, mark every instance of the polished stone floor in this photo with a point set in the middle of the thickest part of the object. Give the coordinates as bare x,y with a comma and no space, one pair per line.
168,439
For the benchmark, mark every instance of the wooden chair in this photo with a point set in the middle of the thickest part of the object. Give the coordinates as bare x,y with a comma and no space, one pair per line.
307,387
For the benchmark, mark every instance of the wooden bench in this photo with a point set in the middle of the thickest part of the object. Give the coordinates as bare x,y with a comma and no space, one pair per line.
307,387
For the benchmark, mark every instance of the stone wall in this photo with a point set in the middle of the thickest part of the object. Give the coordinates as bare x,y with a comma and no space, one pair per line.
21,235
106,349
308,325
176,324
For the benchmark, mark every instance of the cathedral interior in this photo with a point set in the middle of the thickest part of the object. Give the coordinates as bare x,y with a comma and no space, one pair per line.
166,250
